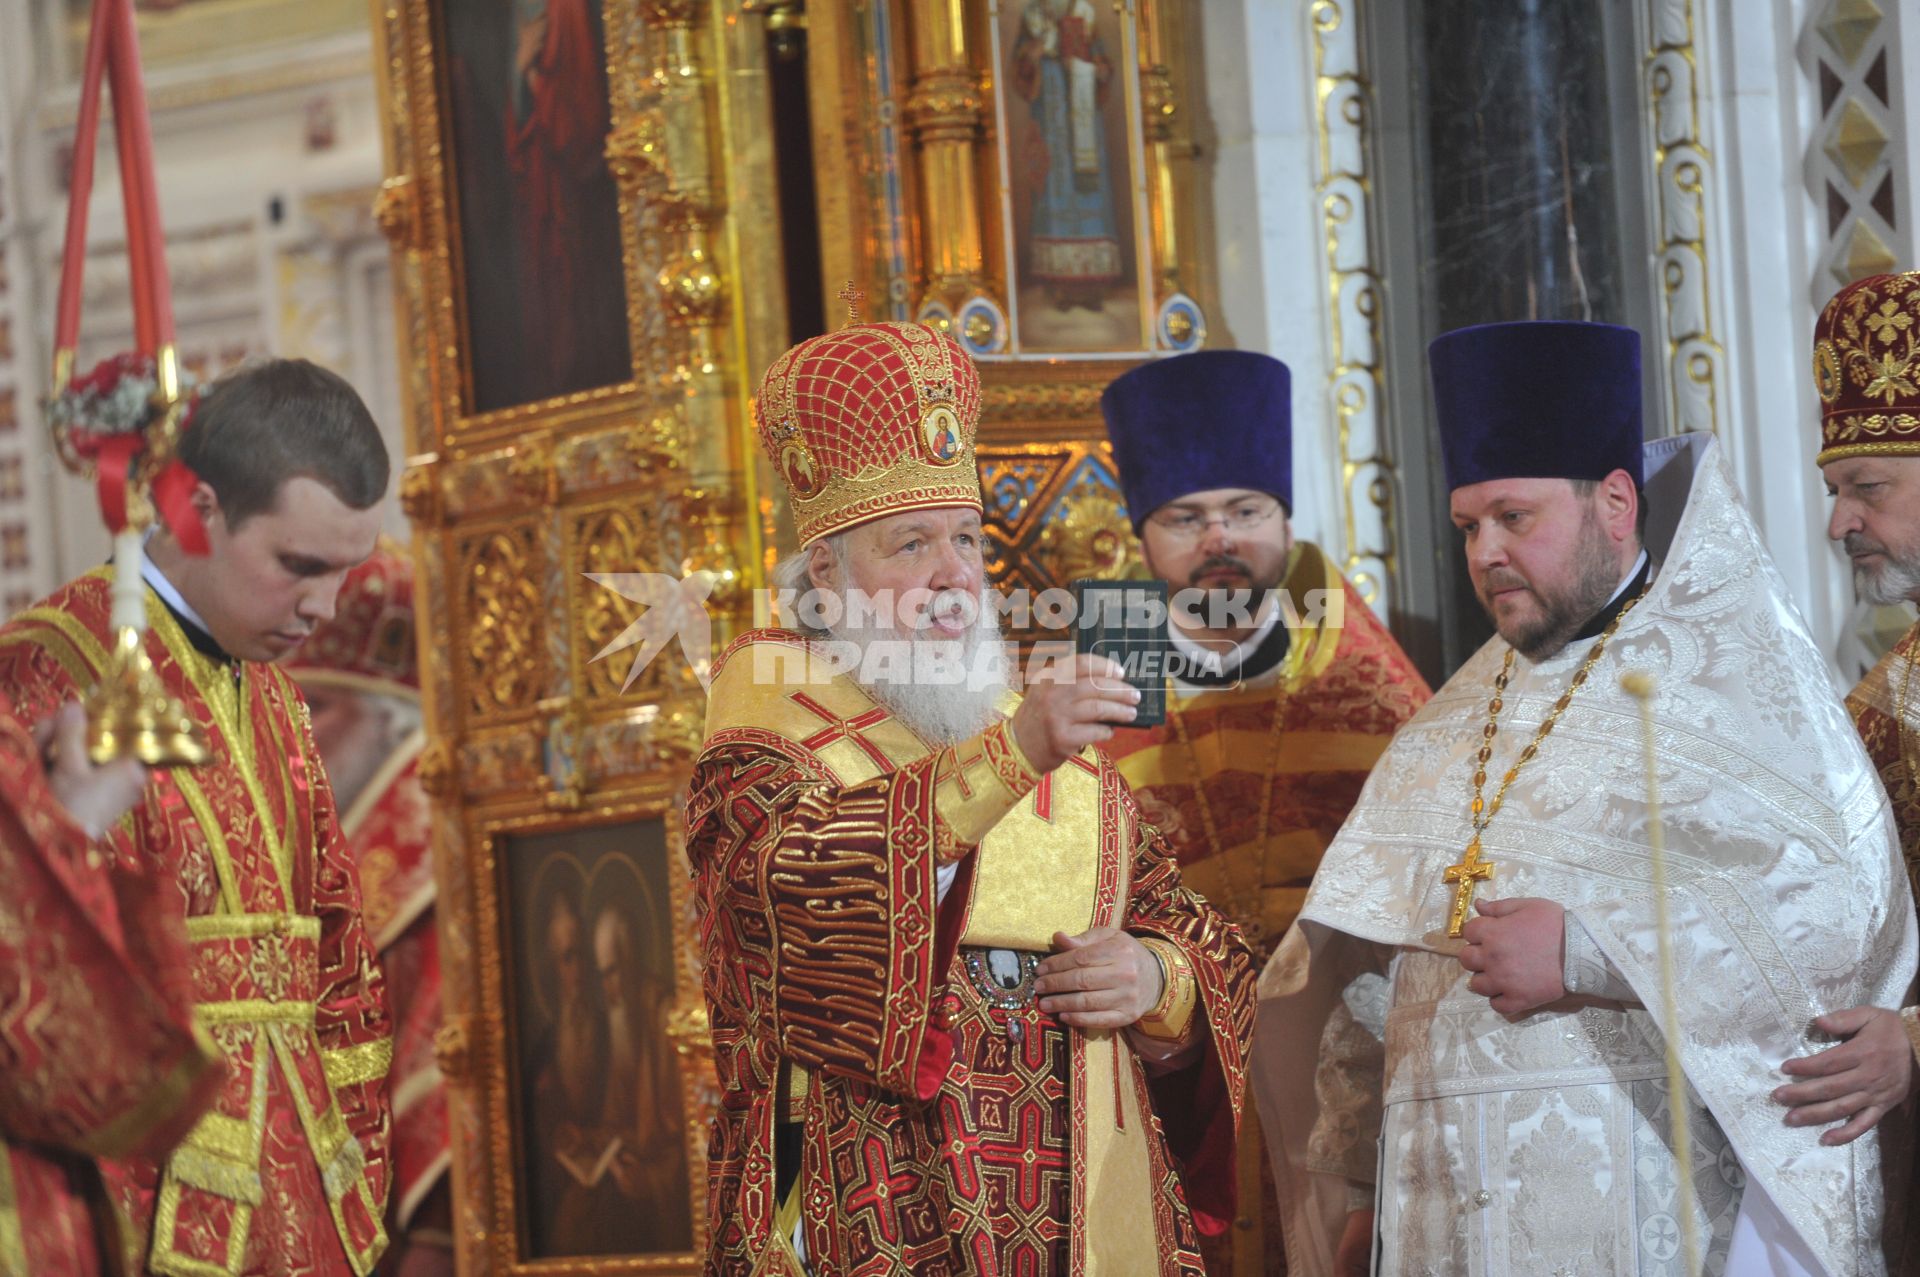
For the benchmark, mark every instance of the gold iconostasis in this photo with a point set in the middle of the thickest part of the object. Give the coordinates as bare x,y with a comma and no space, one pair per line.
607,219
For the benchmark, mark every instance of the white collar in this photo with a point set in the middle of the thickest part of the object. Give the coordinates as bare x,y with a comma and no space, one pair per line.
150,573
1632,573
1202,655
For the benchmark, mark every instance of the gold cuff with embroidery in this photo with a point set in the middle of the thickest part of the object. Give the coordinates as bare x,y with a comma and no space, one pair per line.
976,782
1910,1021
1172,1016
352,1065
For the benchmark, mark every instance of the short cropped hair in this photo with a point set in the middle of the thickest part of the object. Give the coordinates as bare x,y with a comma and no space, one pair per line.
281,419
1585,488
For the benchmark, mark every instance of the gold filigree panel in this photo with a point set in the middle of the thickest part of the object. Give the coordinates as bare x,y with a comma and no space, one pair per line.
608,540
504,631
516,498
1054,514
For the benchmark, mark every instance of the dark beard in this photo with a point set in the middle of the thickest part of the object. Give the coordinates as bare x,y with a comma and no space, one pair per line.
1215,610
1258,586
1563,612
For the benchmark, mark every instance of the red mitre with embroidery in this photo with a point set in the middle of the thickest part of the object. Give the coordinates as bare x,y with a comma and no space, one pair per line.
871,420
368,645
1866,365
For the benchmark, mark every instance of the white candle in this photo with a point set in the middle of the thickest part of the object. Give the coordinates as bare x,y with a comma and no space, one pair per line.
129,584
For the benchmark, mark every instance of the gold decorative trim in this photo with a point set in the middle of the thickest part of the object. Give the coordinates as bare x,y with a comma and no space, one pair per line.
256,1011
946,113
1853,425
1046,400
352,1065
396,211
1356,384
13,1240
1891,448
248,926
1680,167
453,1050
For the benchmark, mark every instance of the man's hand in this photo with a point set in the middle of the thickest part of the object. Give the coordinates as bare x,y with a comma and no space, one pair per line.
1855,1082
94,797
1100,979
1353,1257
1516,947
1070,705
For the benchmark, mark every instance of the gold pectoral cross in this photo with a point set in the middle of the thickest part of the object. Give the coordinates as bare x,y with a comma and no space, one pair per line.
1465,877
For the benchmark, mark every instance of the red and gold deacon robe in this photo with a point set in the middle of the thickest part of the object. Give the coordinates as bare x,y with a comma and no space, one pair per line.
99,1052
288,1172
1248,786
940,1133
390,837
1886,712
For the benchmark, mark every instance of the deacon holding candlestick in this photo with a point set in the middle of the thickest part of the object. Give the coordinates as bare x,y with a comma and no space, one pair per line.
257,498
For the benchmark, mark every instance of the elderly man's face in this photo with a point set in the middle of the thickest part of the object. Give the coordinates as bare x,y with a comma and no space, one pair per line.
1876,516
1544,558
924,560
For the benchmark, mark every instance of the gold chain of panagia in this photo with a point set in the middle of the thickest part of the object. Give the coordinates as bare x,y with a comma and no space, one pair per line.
1484,812
1252,923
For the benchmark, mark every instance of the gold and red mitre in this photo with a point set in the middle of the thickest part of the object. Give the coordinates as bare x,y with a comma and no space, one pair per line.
871,420
368,644
1866,365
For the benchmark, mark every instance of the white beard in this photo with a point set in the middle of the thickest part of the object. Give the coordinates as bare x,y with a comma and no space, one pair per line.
941,712
1896,582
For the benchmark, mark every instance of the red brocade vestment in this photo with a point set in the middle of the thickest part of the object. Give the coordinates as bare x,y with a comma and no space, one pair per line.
1885,708
99,1054
287,1174
391,840
1886,712
940,1133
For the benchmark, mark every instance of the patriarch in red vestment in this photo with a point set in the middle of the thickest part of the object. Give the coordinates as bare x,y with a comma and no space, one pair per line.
967,1018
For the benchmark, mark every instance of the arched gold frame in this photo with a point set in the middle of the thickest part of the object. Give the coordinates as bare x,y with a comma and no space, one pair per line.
511,509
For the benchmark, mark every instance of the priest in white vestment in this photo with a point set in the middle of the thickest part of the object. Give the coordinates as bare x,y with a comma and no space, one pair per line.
1496,1102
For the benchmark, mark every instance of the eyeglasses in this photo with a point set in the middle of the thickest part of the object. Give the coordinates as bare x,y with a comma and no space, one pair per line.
1241,516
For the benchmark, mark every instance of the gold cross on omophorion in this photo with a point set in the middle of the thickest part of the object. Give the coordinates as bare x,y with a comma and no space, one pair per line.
1465,876
852,297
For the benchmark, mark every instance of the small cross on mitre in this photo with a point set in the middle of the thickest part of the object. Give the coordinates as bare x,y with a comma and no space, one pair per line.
853,297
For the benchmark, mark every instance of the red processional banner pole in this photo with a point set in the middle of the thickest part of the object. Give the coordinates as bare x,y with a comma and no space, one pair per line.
120,423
